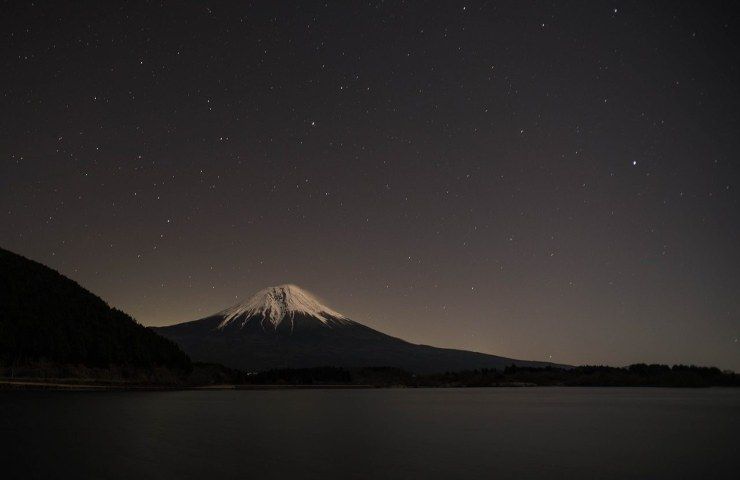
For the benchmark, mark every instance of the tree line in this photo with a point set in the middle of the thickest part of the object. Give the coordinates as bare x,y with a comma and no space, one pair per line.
633,375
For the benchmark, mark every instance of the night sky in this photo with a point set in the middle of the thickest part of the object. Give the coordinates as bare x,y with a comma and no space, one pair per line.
553,181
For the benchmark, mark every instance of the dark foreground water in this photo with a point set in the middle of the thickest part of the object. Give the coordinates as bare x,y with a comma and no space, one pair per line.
542,433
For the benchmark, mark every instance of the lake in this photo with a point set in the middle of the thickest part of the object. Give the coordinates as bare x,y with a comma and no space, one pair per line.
496,433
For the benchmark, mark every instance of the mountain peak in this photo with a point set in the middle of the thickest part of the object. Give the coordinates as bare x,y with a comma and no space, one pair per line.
275,304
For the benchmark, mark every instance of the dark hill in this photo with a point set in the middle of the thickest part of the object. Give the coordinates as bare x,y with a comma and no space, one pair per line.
46,318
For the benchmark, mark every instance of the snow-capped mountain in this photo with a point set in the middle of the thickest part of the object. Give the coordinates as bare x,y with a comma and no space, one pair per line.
279,306
285,326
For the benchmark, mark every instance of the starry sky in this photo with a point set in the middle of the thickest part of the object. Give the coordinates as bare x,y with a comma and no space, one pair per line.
541,180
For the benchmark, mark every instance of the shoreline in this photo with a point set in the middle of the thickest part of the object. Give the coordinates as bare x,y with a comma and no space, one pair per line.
28,385
34,385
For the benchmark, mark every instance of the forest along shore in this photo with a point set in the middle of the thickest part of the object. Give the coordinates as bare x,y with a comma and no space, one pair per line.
210,376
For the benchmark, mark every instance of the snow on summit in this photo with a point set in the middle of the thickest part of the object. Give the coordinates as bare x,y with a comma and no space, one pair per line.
275,304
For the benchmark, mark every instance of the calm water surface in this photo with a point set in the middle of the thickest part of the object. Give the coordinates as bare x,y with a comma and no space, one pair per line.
548,433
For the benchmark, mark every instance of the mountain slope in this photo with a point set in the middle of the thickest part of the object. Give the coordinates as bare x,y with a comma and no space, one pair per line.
286,327
46,317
